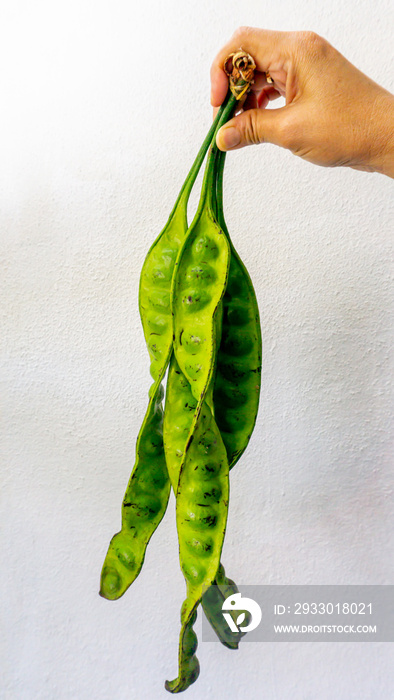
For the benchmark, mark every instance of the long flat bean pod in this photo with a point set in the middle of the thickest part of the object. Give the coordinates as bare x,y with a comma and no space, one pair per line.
238,369
179,411
143,507
158,270
235,408
201,505
199,283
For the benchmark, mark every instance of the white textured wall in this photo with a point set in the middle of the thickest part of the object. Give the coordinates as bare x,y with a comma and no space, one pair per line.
97,137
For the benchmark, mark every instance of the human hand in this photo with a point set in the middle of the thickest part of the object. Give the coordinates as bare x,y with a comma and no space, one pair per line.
334,114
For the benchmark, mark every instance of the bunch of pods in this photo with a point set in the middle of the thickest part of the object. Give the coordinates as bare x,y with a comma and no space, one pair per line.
201,323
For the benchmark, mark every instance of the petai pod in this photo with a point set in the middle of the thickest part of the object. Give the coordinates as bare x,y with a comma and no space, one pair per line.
199,282
235,406
200,279
158,269
143,507
147,493
201,513
180,406
238,371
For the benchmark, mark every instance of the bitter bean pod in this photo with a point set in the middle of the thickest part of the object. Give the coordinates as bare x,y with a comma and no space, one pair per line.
201,513
238,369
143,507
158,270
179,411
196,293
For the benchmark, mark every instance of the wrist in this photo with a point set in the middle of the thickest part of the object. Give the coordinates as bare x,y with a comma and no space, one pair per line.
381,156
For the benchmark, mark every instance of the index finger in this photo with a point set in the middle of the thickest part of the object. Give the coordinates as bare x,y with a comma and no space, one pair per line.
267,48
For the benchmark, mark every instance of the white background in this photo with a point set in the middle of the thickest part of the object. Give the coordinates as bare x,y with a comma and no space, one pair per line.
104,106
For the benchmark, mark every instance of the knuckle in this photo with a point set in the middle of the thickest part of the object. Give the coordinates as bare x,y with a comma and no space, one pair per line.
242,32
251,129
312,44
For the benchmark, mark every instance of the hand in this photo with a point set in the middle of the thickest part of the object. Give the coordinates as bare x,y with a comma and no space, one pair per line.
334,114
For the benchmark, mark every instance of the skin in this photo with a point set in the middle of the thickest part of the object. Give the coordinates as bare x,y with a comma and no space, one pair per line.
334,114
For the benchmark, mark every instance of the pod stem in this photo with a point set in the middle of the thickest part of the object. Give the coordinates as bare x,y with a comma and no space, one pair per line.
186,188
219,168
239,67
208,184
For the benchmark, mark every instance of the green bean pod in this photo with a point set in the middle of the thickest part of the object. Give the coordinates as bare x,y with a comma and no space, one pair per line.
143,507
235,407
180,406
201,511
199,282
238,370
158,270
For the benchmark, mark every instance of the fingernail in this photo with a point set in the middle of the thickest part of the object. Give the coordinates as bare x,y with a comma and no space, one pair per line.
228,137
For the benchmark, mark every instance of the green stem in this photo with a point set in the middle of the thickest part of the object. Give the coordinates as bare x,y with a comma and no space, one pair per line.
208,184
220,161
186,188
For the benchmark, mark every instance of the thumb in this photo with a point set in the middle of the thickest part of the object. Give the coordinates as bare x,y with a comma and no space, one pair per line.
253,126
